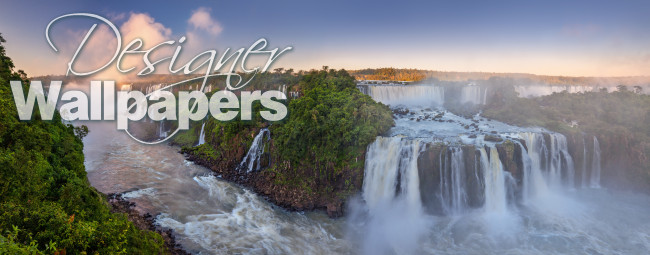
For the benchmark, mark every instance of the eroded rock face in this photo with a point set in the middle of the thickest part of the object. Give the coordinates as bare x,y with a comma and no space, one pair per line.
624,160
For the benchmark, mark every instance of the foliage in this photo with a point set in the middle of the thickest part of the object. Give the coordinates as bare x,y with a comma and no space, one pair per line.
331,120
318,148
46,202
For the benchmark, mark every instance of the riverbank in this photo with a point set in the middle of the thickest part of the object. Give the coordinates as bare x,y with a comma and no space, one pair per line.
145,221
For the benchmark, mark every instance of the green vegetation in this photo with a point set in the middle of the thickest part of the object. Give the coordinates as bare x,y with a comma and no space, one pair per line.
316,153
391,74
332,121
46,202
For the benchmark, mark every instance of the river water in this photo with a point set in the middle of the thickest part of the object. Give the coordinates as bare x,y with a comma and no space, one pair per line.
212,216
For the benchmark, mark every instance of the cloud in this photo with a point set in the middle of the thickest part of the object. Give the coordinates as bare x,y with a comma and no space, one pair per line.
101,46
202,20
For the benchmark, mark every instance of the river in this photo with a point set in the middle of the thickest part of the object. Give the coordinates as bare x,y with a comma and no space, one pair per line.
212,216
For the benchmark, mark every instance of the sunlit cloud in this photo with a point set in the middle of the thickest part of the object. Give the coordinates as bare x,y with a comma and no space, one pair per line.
202,20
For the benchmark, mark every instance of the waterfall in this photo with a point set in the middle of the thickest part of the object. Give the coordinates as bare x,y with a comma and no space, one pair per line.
485,96
391,162
161,130
424,95
494,179
472,94
584,162
251,161
561,161
453,194
533,180
534,183
202,135
547,165
595,165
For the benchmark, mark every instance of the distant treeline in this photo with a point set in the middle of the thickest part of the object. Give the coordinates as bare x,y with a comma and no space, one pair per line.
395,74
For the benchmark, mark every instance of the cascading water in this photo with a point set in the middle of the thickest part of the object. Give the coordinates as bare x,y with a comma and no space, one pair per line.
547,165
391,189
202,135
161,130
595,166
560,162
584,163
495,182
453,195
534,183
211,216
425,95
252,160
472,94
391,162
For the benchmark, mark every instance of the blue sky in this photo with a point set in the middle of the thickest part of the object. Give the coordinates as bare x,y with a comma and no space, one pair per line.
580,38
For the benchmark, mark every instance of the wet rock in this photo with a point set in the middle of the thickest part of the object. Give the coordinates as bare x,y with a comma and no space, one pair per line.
335,209
491,138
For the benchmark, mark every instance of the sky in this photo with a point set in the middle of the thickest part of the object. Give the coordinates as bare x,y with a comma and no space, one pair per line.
569,38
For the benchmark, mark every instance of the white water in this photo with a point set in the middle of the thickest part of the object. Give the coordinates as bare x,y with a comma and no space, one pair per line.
423,95
388,158
252,161
537,90
202,135
494,179
584,163
452,181
390,162
161,130
211,216
534,182
473,94
551,219
550,216
595,166
208,215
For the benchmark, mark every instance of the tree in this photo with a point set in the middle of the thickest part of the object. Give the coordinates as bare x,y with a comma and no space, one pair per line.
622,88
46,201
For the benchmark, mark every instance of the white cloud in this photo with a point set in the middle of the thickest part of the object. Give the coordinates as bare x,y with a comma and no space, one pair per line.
202,20
100,47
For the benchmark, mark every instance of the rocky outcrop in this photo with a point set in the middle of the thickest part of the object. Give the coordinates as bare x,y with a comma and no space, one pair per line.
276,179
144,222
624,159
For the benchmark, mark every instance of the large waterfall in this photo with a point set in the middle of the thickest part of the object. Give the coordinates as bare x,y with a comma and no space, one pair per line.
583,181
453,195
392,171
424,95
495,181
473,94
391,163
595,166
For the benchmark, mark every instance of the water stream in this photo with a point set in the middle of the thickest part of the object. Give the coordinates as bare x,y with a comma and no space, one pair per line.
483,209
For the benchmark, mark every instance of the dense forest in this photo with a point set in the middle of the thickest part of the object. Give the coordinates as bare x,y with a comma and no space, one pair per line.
396,74
47,205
